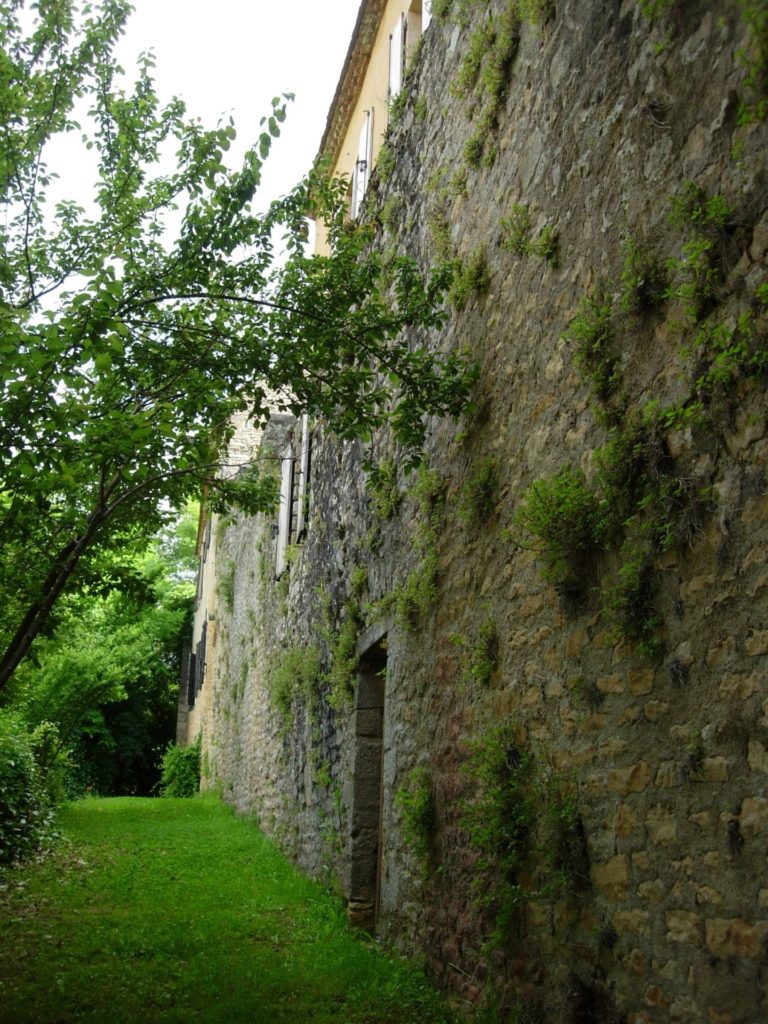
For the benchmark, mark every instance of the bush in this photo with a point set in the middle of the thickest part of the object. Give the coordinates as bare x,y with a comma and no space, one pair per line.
25,812
181,770
566,524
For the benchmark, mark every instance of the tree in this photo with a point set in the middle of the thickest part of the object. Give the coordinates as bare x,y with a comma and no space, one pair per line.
126,346
107,680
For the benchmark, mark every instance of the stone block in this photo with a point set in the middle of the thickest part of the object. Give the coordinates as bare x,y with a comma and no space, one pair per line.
629,715
640,681
629,780
641,861
653,890
655,710
739,685
668,775
613,683
753,819
684,926
757,757
736,937
610,749
721,653
626,821
756,643
702,818
661,825
634,962
708,894
612,878
633,922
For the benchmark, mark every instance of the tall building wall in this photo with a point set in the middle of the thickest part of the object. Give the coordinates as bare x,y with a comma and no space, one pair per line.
422,687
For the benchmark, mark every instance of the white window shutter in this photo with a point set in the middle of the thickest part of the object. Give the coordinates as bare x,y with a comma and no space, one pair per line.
303,476
396,58
285,511
363,163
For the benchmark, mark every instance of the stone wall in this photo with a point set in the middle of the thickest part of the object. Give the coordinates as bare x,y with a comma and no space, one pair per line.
621,704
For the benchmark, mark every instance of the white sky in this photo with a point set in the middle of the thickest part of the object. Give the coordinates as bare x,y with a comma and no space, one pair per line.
233,56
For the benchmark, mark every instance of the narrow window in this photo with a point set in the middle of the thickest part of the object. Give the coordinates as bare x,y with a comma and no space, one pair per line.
192,680
363,163
201,657
303,489
285,511
396,54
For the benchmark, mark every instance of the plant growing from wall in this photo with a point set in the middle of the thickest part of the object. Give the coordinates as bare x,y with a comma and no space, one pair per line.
480,653
754,59
477,497
418,592
698,269
524,825
591,332
643,280
565,524
518,236
385,494
342,642
470,278
416,801
226,586
296,676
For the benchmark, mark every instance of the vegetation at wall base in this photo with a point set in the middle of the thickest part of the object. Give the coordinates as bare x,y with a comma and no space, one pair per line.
181,770
25,802
176,910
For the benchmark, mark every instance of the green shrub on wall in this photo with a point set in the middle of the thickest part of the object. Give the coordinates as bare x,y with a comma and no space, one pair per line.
525,826
416,801
566,524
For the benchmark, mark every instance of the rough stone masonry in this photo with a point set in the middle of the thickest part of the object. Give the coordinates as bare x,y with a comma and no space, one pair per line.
602,181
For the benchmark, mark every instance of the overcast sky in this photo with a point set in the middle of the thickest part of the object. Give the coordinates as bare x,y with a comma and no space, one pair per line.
233,56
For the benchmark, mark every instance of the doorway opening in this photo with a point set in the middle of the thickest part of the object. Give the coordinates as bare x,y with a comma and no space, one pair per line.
367,789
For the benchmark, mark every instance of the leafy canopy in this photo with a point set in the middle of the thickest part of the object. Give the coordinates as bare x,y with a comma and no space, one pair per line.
126,344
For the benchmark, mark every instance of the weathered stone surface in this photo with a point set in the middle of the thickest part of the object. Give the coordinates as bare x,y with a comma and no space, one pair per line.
629,780
753,818
640,681
757,643
612,878
757,757
736,937
667,758
661,825
684,926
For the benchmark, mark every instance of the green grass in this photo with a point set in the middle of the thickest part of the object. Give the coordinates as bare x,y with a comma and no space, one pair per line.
176,910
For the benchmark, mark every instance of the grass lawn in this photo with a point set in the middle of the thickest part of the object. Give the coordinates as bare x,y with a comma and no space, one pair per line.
176,910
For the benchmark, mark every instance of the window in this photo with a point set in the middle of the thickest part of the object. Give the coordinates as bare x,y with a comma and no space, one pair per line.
285,512
397,42
303,489
363,162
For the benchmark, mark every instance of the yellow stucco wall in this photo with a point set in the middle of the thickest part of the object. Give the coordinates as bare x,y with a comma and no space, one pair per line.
373,96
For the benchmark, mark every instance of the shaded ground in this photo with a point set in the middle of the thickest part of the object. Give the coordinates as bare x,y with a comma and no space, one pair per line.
175,910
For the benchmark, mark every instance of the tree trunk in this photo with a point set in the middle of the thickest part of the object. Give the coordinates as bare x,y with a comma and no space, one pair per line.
33,621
